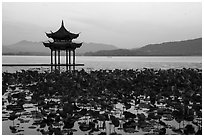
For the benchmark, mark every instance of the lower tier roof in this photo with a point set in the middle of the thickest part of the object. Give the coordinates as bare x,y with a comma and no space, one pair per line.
62,45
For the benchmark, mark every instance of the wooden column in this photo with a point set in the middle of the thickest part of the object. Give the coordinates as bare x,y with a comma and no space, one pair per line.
66,60
69,60
59,59
73,59
55,59
51,60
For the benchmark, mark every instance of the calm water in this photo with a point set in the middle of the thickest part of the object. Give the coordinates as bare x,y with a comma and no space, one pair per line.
120,62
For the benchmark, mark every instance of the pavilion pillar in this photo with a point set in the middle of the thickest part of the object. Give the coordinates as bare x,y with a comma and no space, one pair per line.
69,60
59,59
51,60
73,59
55,59
66,60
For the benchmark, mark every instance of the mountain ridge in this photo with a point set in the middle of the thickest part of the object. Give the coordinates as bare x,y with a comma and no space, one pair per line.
192,47
25,47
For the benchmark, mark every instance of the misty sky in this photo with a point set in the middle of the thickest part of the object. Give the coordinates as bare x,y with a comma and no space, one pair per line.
125,25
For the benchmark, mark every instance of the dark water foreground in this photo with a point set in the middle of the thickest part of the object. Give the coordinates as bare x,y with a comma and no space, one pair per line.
124,102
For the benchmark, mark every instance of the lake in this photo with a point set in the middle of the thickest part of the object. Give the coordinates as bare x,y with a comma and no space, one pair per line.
27,119
116,62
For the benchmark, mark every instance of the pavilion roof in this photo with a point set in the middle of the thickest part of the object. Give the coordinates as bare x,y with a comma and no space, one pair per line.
62,45
62,34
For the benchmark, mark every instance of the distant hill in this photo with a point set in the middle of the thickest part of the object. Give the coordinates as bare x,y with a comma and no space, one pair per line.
117,52
94,47
178,48
187,47
37,48
24,46
5,49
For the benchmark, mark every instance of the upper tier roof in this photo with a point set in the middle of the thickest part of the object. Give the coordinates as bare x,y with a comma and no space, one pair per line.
62,34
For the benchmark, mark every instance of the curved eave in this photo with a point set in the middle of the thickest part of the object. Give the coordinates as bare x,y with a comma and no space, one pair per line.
46,44
74,36
49,35
77,45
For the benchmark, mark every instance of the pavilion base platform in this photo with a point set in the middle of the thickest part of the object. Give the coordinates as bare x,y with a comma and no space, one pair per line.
51,65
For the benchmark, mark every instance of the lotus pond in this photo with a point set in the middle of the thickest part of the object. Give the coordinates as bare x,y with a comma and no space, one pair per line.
102,102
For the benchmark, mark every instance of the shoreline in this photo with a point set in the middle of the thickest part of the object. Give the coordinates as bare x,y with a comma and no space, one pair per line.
112,55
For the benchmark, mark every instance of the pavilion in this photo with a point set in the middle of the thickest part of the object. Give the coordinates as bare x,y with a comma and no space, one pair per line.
62,40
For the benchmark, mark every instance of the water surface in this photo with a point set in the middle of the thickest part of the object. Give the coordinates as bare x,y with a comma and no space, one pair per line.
116,62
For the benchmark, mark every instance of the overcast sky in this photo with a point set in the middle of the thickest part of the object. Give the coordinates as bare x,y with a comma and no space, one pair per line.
125,25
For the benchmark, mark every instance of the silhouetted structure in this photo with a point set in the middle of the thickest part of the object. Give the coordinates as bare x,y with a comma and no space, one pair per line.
62,40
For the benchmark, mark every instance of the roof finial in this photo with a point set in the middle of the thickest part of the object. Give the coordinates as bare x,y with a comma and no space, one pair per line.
62,23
